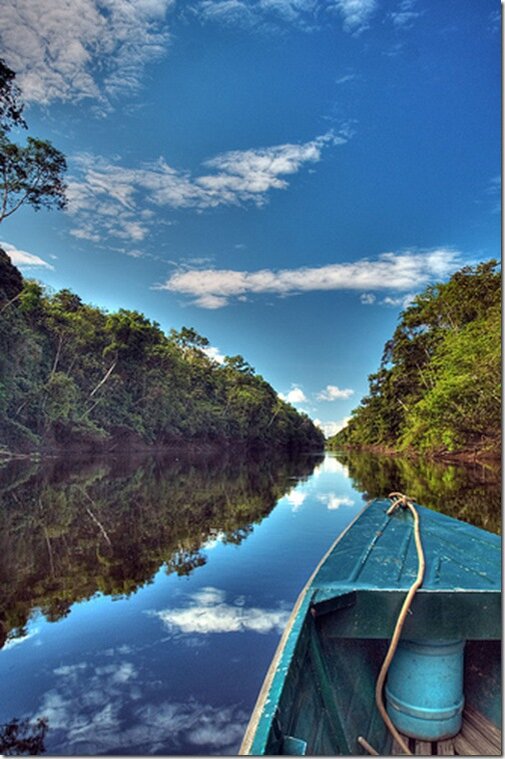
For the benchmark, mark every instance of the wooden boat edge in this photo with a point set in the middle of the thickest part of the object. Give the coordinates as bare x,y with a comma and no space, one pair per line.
304,597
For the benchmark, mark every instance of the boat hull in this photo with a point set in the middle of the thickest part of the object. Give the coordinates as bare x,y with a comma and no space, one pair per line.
319,694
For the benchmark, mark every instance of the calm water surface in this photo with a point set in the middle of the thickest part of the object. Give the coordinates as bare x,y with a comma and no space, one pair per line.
142,600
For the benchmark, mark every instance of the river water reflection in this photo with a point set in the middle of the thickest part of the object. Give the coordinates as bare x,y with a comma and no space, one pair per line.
142,599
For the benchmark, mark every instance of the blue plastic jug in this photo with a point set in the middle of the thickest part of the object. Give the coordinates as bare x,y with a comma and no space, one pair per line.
424,689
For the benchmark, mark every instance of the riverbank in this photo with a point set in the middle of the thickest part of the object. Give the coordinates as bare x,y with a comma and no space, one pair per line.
133,445
463,456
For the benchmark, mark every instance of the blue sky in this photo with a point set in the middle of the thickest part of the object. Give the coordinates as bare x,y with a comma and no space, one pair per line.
282,175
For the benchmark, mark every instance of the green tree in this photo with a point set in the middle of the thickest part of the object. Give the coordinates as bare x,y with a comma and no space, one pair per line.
439,385
11,107
30,174
71,374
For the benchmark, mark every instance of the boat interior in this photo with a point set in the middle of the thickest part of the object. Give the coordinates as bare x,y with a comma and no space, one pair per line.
478,737
319,697
328,701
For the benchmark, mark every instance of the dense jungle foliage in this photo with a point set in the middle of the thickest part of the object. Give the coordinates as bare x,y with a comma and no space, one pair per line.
438,388
71,528
73,375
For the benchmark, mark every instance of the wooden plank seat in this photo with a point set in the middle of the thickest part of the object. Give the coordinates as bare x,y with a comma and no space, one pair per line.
478,737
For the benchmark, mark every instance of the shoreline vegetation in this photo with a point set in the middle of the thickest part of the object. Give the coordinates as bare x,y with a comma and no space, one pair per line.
76,379
136,447
464,456
437,393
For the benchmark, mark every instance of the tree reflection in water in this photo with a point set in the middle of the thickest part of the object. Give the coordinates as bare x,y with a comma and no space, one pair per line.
68,530
468,492
23,738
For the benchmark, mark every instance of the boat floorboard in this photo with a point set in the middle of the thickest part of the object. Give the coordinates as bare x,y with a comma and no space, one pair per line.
478,737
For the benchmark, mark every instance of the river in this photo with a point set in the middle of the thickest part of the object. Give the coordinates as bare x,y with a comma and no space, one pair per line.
143,598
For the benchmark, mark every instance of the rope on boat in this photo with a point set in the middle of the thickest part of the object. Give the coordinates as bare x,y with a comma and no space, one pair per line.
398,499
367,746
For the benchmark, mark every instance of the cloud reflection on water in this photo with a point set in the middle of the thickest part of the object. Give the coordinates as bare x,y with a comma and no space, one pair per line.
295,498
333,501
332,466
208,612
15,641
99,710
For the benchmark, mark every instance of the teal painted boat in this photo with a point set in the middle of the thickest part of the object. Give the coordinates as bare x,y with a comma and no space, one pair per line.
319,695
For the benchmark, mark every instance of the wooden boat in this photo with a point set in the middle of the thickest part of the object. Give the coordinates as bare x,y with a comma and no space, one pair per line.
318,697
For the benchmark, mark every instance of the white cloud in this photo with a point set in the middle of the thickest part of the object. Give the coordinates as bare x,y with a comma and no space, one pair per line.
212,302
403,301
109,200
495,20
269,15
22,258
367,298
208,612
355,13
346,78
295,395
214,354
404,19
331,428
390,271
228,12
245,175
84,49
493,190
334,393
334,501
494,185
405,16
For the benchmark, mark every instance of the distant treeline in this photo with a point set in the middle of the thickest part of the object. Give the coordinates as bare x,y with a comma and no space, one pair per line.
438,389
75,376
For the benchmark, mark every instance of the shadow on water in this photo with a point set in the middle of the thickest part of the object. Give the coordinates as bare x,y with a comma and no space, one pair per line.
470,492
71,529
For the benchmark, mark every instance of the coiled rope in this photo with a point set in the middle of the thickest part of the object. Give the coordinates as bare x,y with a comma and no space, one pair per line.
398,499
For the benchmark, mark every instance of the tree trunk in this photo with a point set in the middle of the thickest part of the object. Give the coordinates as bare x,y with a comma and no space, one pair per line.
104,379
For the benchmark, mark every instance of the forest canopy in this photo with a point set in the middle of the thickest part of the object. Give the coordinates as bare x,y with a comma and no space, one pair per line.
438,388
73,375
